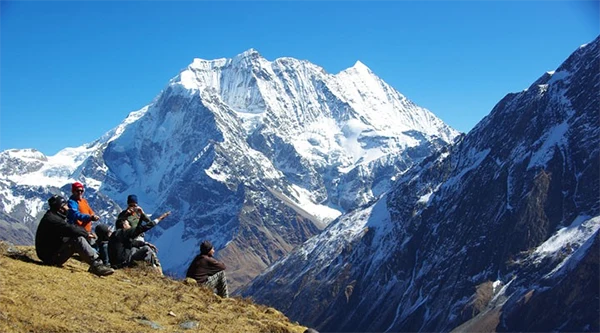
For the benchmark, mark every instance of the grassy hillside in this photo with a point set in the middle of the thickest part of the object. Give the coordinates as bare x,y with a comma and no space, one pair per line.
38,298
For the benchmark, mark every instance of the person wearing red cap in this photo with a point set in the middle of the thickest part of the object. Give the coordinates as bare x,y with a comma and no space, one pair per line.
80,213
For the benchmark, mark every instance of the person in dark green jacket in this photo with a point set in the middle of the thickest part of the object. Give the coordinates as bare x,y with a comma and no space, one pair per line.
133,213
56,240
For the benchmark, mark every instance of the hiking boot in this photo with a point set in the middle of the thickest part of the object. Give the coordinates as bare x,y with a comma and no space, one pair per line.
99,269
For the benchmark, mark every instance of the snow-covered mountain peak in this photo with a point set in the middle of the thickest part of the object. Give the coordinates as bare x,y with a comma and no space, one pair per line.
29,155
31,167
203,64
360,68
251,53
302,96
234,143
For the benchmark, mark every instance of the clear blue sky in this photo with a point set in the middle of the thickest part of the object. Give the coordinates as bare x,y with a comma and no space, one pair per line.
70,71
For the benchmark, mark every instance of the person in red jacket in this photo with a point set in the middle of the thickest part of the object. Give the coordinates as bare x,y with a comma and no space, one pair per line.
208,271
80,213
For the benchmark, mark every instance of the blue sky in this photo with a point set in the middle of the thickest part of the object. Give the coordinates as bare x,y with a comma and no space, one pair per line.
71,71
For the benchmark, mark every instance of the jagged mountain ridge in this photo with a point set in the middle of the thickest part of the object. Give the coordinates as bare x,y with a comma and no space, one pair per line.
498,232
253,155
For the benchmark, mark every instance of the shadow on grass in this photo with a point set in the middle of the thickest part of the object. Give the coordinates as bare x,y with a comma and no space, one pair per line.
9,250
25,258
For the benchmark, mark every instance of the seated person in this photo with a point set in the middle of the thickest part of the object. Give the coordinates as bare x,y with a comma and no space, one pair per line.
208,271
133,213
124,247
102,235
80,212
56,240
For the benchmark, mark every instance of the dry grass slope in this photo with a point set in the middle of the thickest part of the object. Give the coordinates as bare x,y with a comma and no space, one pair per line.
38,298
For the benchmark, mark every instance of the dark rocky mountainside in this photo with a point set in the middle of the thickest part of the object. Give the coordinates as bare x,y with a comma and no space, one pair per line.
498,232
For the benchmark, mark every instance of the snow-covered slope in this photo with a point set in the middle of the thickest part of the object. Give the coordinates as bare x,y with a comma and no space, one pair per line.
28,178
255,155
498,232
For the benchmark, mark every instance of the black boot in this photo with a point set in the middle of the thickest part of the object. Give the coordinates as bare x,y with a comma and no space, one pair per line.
99,269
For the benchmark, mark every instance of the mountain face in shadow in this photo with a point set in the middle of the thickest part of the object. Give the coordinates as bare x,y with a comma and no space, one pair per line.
498,232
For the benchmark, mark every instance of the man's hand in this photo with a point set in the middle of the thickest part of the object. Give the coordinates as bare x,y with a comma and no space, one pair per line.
136,209
95,217
158,219
92,235
152,247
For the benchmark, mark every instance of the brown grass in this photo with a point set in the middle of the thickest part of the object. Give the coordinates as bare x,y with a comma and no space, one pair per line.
38,298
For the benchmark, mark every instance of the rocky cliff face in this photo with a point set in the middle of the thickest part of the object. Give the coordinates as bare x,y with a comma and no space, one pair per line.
480,234
257,156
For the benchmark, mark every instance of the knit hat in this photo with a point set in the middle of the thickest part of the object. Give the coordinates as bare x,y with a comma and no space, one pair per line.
132,198
205,247
102,232
56,201
76,185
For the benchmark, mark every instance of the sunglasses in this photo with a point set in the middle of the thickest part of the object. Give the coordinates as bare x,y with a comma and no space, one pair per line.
79,191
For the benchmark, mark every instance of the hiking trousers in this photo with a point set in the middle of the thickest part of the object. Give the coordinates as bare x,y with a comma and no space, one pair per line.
103,252
144,253
72,245
218,281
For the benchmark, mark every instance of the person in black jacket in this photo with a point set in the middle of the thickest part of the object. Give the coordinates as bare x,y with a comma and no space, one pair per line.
208,271
56,240
124,247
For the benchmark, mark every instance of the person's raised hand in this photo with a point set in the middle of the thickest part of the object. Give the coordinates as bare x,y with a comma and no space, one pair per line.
163,216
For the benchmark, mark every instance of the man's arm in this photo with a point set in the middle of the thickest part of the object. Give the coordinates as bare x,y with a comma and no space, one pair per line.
216,264
68,230
137,243
73,214
151,223
140,229
160,218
